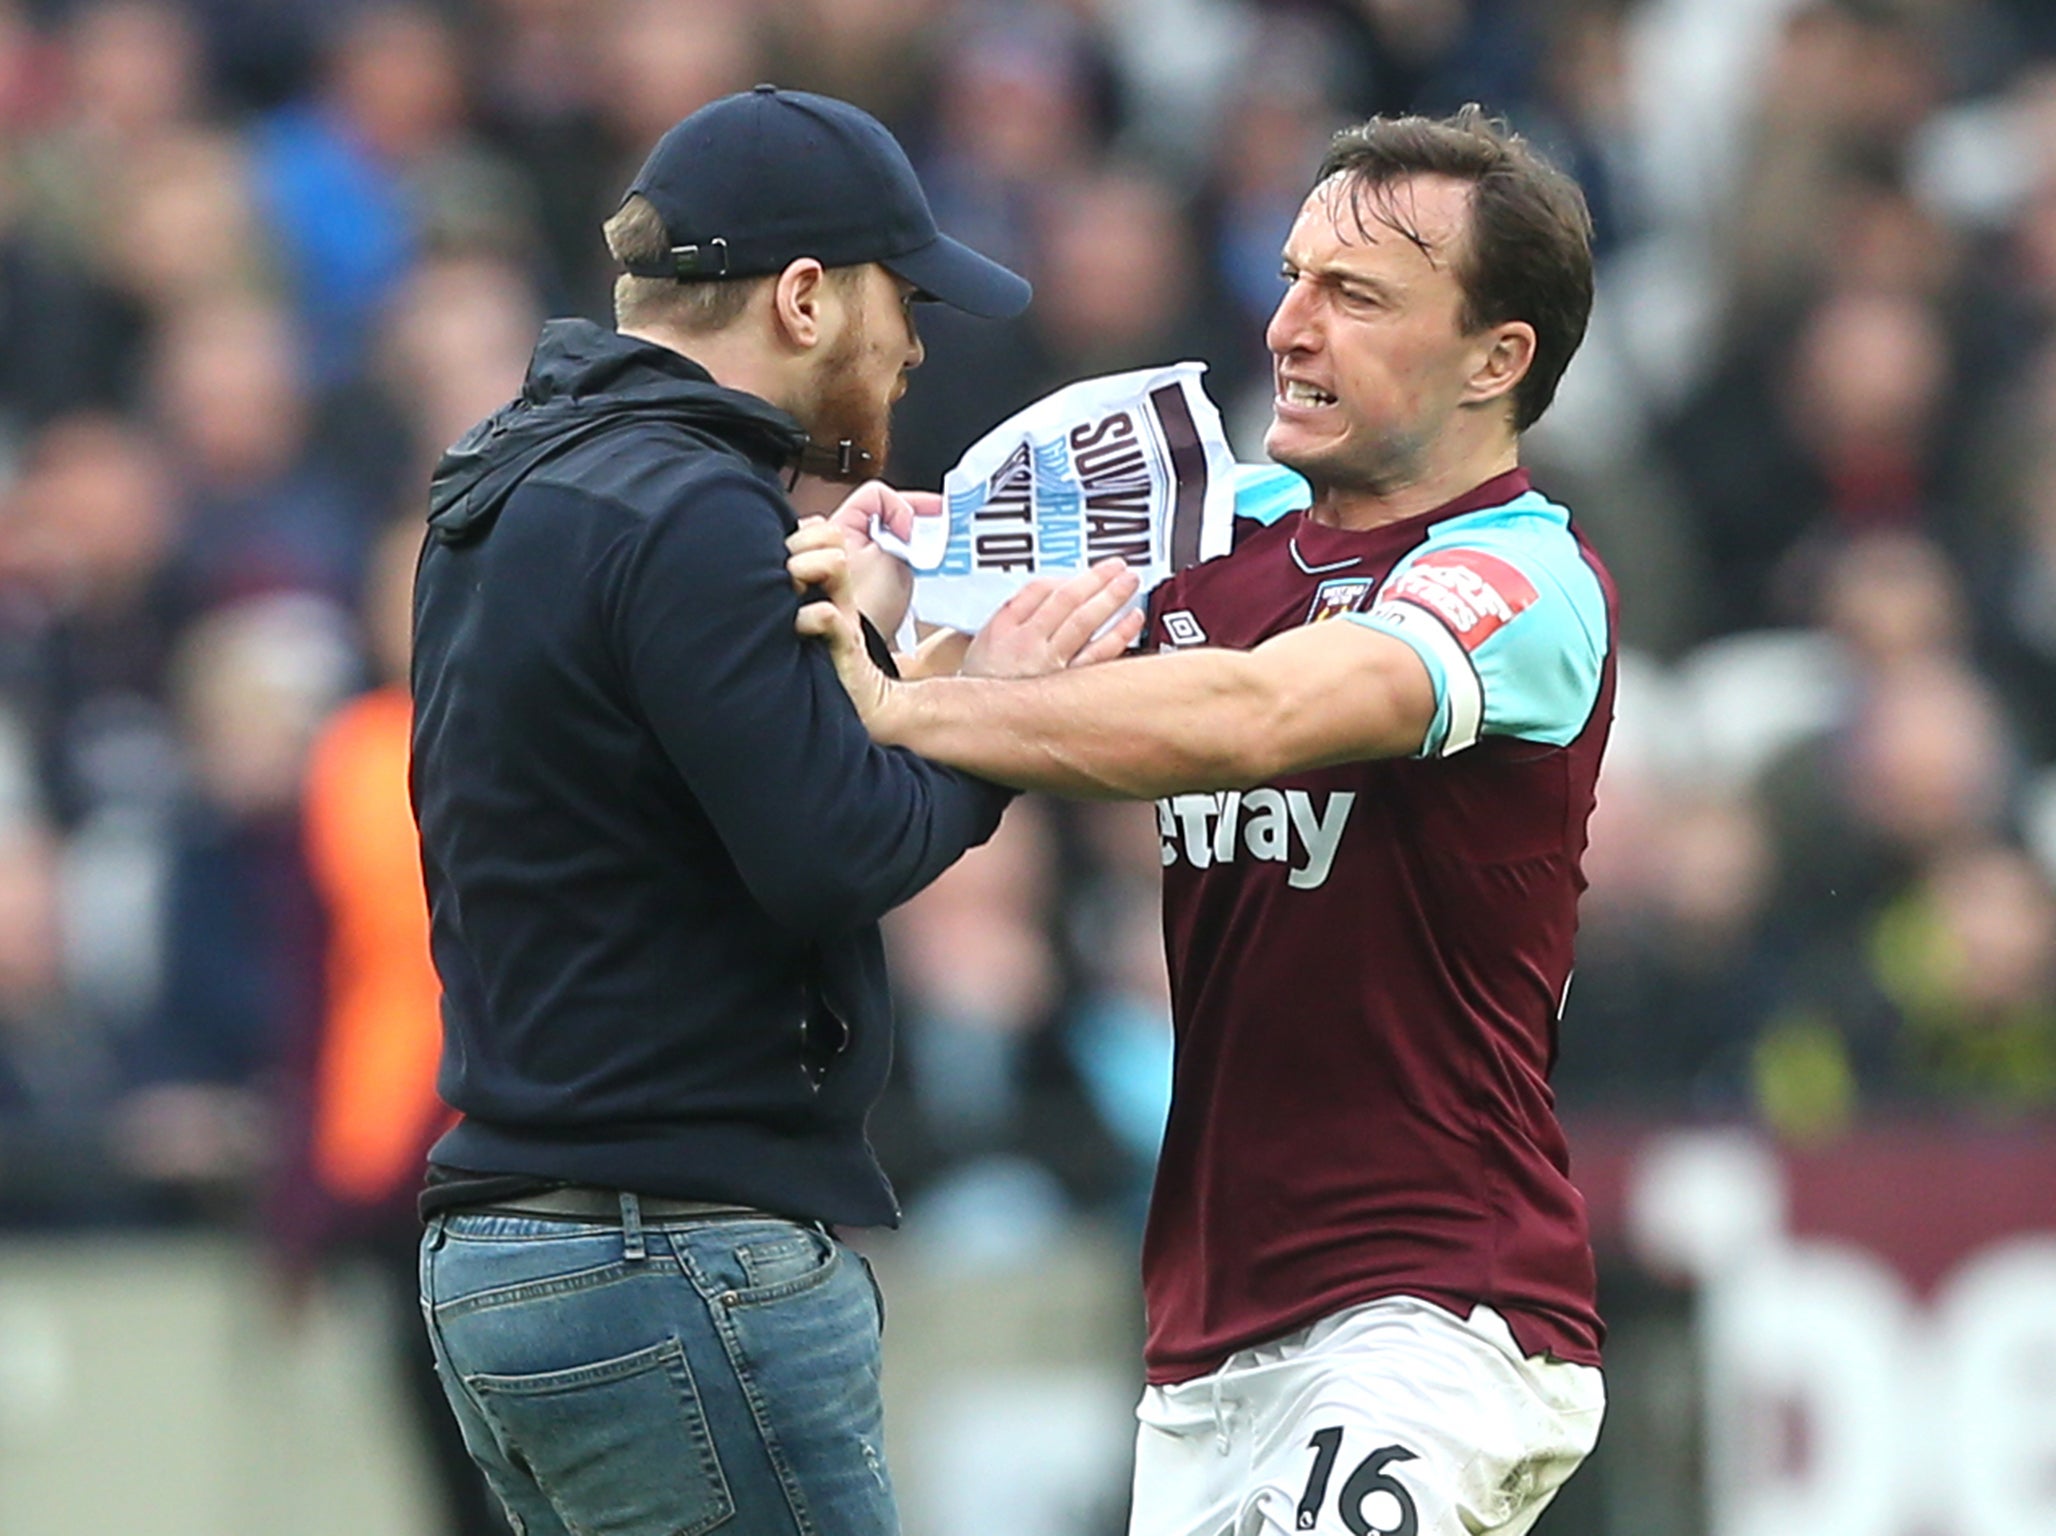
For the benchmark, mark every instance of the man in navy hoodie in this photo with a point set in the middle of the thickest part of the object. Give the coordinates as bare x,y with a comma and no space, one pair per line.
657,842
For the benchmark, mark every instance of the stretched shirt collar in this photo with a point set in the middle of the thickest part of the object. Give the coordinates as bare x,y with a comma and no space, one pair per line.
1320,545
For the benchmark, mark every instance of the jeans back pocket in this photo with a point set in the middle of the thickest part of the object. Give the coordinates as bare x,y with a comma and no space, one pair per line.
621,1446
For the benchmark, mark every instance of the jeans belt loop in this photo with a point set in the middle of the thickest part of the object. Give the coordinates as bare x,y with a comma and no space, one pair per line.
631,1228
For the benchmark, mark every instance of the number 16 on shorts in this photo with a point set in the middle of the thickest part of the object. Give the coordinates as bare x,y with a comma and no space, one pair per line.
1370,1501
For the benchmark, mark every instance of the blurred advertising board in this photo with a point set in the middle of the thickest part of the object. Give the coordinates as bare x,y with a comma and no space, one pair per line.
1876,1318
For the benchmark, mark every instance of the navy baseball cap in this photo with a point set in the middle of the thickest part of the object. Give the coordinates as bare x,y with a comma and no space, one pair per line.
752,182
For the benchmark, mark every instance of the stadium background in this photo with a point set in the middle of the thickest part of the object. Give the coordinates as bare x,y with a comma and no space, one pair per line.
259,259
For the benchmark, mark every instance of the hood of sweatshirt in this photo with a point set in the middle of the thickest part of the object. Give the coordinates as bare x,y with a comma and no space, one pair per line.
583,380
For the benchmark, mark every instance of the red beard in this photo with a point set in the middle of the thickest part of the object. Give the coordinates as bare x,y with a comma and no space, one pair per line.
846,408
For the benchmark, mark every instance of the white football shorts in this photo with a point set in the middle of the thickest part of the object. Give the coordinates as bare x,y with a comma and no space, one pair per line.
1394,1418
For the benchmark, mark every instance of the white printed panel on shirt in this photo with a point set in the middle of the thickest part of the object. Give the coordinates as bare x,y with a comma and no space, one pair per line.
1474,593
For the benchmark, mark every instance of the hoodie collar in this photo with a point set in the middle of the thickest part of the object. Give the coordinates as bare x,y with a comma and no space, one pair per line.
585,379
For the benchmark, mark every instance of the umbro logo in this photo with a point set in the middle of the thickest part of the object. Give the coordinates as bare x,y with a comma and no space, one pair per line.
1182,628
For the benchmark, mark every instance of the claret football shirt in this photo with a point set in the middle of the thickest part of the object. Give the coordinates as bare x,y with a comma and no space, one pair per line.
1368,961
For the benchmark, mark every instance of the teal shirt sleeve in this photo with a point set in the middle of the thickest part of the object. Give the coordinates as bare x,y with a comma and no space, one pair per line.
1267,492
1510,622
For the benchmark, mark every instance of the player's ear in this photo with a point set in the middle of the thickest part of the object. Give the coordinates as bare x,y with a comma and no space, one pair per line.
799,301
1501,359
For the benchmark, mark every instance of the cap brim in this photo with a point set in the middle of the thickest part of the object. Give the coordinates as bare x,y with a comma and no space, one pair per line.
952,273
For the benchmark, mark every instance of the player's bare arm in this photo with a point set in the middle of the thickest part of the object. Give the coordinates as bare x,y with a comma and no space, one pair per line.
1202,719
1045,627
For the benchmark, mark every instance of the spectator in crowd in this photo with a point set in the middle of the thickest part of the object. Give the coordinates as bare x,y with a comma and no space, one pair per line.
1118,1032
1434,55
1845,89
1120,285
372,1106
1676,928
241,970
1920,759
1915,778
191,230
880,54
89,617
135,75
452,347
2020,616
1848,433
259,510
1968,962
657,61
132,78
538,90
1278,116
57,1072
381,162
1018,132
61,333
1948,1000
29,68
661,61
1017,115
1583,110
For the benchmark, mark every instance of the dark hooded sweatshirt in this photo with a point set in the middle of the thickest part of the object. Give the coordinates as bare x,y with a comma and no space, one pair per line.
657,839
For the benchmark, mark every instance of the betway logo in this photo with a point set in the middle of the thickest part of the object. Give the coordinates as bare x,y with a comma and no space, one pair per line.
1278,825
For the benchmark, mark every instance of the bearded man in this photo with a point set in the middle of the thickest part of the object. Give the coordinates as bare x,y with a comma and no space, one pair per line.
657,842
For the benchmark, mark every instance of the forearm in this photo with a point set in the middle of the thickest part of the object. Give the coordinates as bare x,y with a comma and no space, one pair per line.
1165,725
1125,730
940,653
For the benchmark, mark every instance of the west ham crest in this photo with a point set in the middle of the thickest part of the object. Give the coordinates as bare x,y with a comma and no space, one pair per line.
1332,598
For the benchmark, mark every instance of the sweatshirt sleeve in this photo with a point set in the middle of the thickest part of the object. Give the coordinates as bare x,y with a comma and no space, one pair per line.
828,829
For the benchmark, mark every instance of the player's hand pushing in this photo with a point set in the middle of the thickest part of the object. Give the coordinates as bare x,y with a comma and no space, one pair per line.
1044,627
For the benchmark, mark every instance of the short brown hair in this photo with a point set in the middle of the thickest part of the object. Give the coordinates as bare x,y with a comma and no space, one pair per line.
1529,255
636,233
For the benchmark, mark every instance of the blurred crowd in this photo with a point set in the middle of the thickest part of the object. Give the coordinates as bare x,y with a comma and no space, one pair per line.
261,259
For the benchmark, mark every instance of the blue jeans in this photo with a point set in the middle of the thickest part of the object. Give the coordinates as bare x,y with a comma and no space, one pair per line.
663,1380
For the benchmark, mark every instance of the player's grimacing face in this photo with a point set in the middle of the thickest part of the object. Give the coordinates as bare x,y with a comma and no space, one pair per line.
1369,360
